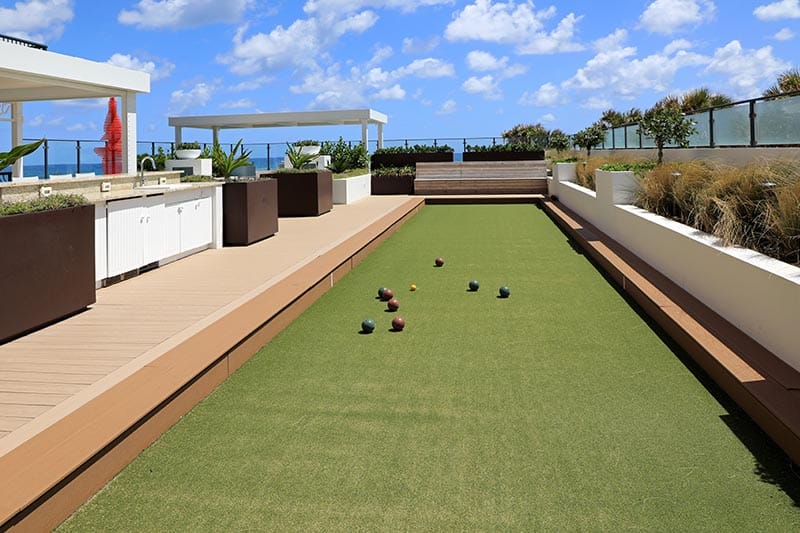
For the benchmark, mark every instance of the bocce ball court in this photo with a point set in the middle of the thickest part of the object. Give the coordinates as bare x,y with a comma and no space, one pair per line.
561,407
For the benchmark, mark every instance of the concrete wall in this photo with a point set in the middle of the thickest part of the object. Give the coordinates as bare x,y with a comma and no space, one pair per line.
757,294
729,156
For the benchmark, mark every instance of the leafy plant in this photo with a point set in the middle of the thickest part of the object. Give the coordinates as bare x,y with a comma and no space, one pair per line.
48,203
160,157
394,171
297,158
196,179
665,123
343,156
527,134
188,146
12,156
589,138
639,168
223,164
508,147
558,141
787,82
415,149
307,142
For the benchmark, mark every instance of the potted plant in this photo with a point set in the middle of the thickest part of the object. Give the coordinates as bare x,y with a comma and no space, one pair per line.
308,146
303,191
351,176
47,265
188,150
393,180
249,205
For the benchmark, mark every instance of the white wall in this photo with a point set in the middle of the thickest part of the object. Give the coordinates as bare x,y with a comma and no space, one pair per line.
757,294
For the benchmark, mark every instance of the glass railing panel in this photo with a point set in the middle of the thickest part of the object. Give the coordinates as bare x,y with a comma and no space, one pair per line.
702,134
732,126
778,121
619,138
632,136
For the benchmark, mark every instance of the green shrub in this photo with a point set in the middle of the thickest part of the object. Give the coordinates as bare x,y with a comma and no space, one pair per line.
394,171
188,146
415,149
505,147
160,157
343,156
48,203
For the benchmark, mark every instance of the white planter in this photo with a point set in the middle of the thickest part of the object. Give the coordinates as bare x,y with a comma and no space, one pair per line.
188,154
310,150
349,190
757,294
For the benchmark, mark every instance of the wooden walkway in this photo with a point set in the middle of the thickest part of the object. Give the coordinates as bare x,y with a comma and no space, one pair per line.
78,388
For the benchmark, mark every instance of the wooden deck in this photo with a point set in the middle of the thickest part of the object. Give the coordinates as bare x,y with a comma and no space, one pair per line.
80,398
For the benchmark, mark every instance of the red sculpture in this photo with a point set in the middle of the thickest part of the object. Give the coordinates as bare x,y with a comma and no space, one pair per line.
112,151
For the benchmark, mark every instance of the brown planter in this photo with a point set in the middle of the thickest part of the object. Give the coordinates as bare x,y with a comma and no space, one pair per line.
393,184
46,267
249,211
304,194
403,160
535,155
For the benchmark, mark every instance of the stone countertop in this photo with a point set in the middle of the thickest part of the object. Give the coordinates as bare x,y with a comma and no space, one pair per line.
140,193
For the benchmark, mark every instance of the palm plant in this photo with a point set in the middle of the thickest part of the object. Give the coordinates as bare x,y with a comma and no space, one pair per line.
12,156
224,164
702,98
297,158
787,82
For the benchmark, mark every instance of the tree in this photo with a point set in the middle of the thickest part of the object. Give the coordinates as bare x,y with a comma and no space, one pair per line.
529,134
589,138
665,123
558,141
787,82
702,98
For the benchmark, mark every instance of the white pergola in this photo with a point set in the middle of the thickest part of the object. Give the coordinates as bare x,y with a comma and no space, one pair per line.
362,117
29,74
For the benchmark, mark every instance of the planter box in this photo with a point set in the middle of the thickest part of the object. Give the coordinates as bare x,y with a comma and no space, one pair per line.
304,194
402,160
349,190
249,211
536,155
46,268
393,184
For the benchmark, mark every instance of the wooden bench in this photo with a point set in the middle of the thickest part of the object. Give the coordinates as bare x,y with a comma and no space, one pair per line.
500,177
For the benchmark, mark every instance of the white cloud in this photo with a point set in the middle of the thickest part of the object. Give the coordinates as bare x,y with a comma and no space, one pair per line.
516,24
547,117
485,85
616,69
381,54
546,95
594,102
413,45
250,85
678,44
669,16
176,14
746,68
36,20
242,103
405,6
198,96
395,92
38,120
785,9
481,61
79,126
426,68
448,107
156,72
785,34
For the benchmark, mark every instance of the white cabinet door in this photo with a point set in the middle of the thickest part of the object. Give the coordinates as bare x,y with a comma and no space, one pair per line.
172,229
153,225
196,224
125,235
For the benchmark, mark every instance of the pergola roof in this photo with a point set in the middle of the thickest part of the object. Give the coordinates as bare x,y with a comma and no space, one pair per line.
275,120
30,74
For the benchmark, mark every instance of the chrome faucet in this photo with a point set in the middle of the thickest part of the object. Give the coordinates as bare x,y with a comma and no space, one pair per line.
141,168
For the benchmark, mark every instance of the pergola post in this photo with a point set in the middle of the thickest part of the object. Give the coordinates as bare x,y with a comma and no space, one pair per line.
17,120
365,134
128,115
380,135
215,136
178,135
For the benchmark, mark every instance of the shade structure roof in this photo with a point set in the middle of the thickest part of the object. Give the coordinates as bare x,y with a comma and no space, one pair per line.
276,120
30,74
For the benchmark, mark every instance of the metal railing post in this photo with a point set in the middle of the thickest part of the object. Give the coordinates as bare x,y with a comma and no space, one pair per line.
268,165
711,127
78,155
752,122
46,162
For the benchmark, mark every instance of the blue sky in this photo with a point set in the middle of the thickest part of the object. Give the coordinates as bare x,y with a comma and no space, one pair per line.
437,68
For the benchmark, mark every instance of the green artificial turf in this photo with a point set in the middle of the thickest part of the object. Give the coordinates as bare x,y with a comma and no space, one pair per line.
558,408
